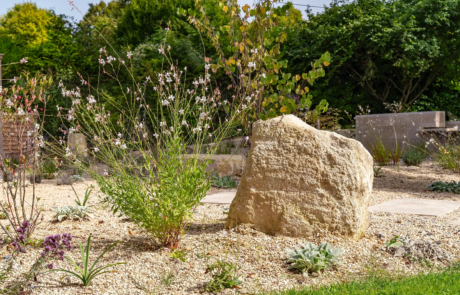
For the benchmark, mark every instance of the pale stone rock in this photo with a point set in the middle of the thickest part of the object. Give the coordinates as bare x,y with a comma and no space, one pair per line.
299,181
77,144
230,165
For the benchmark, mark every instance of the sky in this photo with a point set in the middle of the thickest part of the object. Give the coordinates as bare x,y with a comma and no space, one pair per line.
62,7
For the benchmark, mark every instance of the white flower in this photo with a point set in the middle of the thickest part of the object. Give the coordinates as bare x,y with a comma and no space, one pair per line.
252,64
155,135
123,146
264,75
23,60
171,128
119,135
247,98
129,54
106,173
184,122
71,130
162,123
171,97
21,111
165,102
117,142
206,126
181,111
96,149
91,99
196,129
243,106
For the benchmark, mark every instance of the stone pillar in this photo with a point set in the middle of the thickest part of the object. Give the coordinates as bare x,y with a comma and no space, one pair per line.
77,144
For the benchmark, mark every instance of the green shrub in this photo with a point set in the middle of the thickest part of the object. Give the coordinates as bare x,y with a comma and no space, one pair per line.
380,153
448,156
223,182
452,187
414,156
311,258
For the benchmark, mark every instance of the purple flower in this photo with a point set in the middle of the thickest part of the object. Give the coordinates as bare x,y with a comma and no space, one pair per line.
50,266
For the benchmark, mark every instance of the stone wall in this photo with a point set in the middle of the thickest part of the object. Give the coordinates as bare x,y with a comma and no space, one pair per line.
395,129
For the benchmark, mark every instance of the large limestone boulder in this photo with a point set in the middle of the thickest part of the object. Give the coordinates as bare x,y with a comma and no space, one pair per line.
299,181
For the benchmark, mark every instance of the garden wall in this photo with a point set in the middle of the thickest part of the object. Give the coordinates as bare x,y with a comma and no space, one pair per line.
395,129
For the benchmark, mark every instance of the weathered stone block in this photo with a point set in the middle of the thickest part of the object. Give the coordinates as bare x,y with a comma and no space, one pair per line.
299,181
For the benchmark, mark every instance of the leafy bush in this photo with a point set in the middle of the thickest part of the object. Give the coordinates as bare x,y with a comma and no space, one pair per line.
223,276
312,258
72,212
448,156
451,187
223,182
414,156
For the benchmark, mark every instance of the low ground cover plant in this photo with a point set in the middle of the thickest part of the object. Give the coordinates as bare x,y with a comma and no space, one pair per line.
223,182
414,156
223,276
451,187
311,258
72,213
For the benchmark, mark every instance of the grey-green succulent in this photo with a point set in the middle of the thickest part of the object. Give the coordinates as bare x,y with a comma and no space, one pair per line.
72,212
311,258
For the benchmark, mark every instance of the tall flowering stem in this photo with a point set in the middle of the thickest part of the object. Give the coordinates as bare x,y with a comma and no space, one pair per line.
156,171
22,109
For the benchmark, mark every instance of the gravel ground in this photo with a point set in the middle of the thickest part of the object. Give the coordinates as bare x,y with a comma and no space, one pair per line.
261,258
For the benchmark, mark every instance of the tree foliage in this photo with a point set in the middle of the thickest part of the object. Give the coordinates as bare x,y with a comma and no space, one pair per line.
382,51
26,24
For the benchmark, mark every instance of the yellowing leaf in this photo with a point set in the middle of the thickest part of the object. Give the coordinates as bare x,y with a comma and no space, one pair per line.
241,47
225,8
264,104
242,28
283,109
307,89
326,63
297,77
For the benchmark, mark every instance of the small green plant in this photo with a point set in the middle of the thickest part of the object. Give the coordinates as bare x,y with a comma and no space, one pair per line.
414,157
394,242
223,182
48,168
223,276
378,172
311,258
85,273
451,187
2,215
168,278
225,148
72,212
86,198
380,153
179,254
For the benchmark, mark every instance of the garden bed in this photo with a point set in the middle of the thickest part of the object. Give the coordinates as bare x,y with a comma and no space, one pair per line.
260,258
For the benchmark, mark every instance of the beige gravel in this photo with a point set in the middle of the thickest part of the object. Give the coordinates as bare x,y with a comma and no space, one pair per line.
261,258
